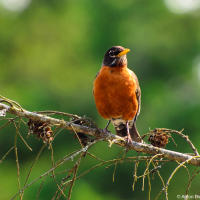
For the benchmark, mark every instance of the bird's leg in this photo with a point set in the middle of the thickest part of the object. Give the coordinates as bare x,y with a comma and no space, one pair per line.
129,139
106,128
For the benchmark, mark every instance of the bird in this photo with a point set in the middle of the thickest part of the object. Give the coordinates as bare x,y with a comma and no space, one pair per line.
117,94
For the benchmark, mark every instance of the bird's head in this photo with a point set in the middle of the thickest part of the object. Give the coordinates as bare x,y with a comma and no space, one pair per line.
116,57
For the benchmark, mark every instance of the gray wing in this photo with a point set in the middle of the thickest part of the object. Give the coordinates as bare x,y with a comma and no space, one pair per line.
138,94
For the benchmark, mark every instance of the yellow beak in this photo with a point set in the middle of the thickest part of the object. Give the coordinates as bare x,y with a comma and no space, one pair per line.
125,51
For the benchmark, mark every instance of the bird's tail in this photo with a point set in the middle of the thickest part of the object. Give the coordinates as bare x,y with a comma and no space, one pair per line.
121,130
120,127
134,133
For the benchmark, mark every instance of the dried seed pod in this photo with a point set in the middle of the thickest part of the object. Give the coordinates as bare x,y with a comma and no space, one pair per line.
41,130
158,139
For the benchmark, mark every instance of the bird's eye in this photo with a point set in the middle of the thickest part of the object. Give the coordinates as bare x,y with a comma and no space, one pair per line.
111,53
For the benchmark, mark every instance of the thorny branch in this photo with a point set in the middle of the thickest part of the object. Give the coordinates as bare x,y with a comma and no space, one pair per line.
108,136
158,155
65,159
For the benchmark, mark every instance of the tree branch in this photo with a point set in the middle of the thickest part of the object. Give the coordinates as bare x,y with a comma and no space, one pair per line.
98,133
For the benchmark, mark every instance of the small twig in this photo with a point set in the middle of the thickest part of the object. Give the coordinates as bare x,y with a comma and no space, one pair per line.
187,140
135,175
162,181
10,102
175,170
114,171
23,140
95,157
39,190
58,132
74,176
129,159
53,172
3,100
5,124
147,168
195,173
65,159
59,113
17,163
77,136
187,170
34,162
137,158
149,183
4,156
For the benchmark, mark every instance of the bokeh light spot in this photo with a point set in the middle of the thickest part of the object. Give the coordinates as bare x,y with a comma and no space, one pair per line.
182,6
15,5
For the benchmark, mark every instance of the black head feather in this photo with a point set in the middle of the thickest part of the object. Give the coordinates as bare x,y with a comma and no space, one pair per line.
112,58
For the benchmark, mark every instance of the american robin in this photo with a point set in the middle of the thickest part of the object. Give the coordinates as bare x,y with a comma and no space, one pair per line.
117,93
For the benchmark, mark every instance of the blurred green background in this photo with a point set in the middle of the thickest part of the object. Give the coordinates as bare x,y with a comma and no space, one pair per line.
50,52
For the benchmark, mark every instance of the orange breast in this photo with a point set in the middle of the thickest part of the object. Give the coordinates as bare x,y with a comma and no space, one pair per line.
114,93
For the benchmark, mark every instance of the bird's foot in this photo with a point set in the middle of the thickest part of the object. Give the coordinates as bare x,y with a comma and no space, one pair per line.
128,139
105,130
117,140
138,139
